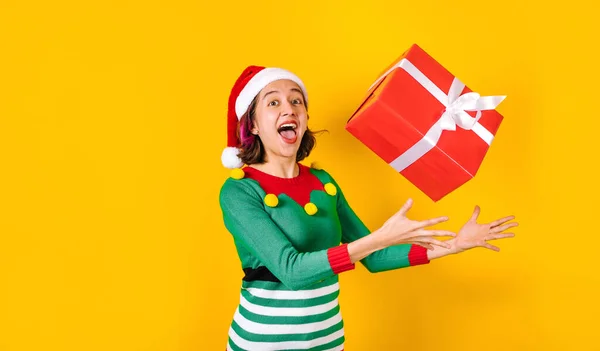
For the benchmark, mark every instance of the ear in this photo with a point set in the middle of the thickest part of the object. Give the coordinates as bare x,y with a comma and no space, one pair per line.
254,129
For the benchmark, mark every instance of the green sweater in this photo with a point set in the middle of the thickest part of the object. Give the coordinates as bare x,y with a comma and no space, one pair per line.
291,236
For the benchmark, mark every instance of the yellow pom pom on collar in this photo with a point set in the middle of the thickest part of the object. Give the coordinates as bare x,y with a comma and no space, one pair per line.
310,208
271,200
330,189
237,173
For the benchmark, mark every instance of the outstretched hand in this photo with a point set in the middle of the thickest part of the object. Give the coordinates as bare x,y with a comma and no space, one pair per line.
474,234
399,229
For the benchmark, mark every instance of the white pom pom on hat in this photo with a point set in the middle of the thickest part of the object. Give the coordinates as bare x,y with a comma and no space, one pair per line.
249,84
230,158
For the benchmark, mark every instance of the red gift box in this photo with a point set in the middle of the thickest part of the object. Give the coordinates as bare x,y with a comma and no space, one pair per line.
431,128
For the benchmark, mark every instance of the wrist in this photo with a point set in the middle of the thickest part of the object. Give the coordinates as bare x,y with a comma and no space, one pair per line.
454,249
379,239
439,252
365,246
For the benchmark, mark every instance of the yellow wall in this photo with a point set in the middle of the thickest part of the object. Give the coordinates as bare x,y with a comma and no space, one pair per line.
112,121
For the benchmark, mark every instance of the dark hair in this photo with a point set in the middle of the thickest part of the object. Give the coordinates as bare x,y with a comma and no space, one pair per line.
252,149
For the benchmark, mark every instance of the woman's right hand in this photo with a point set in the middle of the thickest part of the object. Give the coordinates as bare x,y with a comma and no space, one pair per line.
399,229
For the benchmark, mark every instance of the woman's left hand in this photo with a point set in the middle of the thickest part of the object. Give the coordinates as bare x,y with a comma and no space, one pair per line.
473,234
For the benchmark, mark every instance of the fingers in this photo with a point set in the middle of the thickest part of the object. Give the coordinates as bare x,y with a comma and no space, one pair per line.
432,241
422,237
431,233
499,236
431,222
436,233
491,247
407,206
501,221
443,233
475,214
502,228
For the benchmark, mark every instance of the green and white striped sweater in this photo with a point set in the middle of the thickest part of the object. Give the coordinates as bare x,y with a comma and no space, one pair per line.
291,257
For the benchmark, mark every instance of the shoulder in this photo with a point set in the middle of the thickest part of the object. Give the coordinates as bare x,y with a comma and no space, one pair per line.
328,180
322,174
238,186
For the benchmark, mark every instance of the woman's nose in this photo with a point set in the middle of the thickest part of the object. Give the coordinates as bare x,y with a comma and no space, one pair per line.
287,108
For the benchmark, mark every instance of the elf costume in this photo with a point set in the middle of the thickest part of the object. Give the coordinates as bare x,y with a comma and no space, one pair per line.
291,236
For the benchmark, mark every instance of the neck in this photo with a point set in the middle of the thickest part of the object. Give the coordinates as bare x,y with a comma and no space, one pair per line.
279,167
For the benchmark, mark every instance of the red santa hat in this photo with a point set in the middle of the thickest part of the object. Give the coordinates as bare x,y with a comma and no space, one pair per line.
252,80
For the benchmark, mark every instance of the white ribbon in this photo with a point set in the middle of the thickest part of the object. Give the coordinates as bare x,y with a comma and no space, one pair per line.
454,115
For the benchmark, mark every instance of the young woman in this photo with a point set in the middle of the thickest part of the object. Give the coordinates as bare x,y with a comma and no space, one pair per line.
293,228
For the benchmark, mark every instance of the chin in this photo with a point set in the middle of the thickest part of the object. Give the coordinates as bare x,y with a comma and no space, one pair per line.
289,152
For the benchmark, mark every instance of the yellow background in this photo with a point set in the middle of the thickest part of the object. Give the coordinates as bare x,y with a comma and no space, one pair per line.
112,121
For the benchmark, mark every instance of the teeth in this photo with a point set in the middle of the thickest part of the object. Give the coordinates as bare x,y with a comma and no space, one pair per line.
293,125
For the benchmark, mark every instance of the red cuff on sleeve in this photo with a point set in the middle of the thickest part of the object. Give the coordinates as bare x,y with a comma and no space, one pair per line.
417,255
339,259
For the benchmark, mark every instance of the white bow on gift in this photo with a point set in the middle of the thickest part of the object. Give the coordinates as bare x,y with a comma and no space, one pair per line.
455,113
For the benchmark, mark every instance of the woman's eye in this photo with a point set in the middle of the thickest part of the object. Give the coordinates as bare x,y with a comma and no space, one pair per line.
297,101
273,103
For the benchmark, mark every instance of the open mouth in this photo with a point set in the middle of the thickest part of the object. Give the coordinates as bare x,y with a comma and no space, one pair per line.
288,132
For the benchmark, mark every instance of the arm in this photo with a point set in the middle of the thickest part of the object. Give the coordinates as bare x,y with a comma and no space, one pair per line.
439,252
246,219
377,258
473,234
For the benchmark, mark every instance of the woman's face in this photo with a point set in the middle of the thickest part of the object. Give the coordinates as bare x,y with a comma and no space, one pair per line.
280,119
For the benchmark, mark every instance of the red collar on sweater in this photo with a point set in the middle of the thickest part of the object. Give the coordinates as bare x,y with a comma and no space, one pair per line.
297,188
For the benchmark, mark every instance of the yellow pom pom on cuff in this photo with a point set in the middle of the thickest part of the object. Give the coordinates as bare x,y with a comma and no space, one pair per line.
237,173
330,189
271,200
310,208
